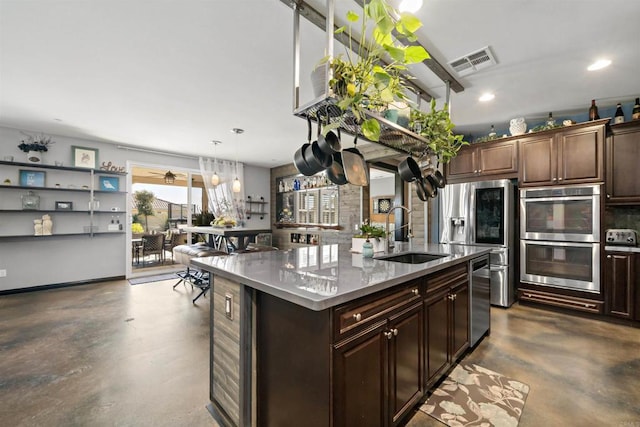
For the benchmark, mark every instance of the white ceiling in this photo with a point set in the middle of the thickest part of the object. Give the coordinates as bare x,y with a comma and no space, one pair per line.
173,75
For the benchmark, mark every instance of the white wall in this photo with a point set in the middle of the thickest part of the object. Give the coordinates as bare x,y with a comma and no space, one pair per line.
67,259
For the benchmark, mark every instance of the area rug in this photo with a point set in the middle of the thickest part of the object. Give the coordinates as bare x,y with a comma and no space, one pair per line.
156,278
475,396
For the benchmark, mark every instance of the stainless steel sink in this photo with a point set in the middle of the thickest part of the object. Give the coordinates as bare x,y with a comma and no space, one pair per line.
412,257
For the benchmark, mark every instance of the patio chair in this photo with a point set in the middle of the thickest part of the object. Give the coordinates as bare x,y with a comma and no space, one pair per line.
176,239
153,244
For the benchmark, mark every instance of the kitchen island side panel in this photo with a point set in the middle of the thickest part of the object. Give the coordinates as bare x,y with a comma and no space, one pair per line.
293,364
225,363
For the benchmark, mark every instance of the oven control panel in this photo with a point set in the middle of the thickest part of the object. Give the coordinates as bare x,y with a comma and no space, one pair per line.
622,236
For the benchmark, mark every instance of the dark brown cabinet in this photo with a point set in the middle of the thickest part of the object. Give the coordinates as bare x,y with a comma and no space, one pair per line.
623,173
378,372
496,159
620,270
446,322
568,156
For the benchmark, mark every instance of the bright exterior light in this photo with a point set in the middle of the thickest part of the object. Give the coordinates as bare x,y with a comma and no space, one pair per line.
236,187
486,97
599,64
215,179
411,6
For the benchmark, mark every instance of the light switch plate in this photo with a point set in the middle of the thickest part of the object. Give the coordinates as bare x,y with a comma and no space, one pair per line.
228,306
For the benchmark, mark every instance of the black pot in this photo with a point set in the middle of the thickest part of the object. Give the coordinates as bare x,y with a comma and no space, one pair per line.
409,170
432,187
330,144
299,157
355,166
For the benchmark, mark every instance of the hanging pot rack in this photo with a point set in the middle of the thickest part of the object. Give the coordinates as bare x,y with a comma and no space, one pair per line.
324,108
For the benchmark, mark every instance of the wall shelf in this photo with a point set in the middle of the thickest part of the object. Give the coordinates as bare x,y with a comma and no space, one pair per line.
256,207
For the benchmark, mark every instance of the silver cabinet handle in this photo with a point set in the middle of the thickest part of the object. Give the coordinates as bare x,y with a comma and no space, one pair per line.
357,317
559,179
608,196
609,256
479,170
388,335
415,291
395,332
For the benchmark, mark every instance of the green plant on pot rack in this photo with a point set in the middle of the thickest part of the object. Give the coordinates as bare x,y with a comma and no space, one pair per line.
437,128
370,77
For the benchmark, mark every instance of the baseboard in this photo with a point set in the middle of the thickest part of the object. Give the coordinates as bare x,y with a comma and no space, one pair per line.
60,285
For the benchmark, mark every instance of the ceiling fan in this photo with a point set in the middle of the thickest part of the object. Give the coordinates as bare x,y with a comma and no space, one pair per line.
169,177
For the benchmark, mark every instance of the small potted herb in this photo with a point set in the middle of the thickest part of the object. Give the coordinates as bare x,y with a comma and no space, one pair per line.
374,233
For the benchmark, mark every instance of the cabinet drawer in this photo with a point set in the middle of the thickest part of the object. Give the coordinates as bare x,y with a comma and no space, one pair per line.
564,301
355,315
446,278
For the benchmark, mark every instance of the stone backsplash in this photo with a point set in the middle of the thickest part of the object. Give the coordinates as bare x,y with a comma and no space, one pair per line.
622,217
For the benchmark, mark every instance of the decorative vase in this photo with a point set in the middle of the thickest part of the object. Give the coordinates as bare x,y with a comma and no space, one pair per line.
34,156
37,227
367,249
358,242
517,126
47,225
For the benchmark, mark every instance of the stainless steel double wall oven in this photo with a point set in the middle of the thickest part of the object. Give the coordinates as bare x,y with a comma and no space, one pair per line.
560,237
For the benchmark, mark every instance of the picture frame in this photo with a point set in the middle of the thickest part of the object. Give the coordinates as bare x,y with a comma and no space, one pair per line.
31,178
382,205
109,183
64,206
84,157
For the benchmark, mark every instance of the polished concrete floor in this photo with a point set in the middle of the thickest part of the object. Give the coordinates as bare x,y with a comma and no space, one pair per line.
111,354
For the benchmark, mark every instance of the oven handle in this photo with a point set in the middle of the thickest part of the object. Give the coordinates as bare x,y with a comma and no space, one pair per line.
564,244
557,199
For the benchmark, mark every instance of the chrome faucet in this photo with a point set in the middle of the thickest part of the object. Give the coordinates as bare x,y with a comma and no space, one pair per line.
388,243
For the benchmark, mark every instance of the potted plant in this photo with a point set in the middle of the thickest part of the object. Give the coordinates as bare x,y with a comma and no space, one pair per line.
363,80
34,146
375,234
436,127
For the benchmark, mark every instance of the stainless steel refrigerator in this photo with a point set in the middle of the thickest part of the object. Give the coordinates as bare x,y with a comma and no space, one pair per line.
483,214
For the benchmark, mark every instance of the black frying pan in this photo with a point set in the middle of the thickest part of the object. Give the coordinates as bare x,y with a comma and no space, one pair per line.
355,167
335,172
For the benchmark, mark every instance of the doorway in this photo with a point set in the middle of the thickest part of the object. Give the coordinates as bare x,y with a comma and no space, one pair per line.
162,200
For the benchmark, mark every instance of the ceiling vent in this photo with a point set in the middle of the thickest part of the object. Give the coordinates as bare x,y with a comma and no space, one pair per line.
473,62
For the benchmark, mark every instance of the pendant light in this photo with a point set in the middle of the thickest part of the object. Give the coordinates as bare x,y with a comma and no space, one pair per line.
236,186
215,178
169,177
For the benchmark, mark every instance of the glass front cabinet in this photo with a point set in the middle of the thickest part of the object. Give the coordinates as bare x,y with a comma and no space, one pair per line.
305,201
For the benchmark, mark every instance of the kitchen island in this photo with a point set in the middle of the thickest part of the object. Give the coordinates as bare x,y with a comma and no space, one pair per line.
321,336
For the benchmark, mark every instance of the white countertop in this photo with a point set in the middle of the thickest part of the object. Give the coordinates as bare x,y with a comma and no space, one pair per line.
319,277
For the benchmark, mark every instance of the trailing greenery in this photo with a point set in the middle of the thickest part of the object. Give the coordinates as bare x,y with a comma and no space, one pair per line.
364,81
436,127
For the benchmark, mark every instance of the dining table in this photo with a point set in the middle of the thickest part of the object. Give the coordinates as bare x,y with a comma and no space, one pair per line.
220,237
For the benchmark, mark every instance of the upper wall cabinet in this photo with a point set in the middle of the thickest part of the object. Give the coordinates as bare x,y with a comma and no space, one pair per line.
623,169
570,155
495,159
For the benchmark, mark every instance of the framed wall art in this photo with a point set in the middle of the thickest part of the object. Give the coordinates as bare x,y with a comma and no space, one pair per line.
32,178
83,157
64,206
109,183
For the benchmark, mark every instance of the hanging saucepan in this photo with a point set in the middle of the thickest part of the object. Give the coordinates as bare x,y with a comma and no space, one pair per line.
425,189
330,143
440,180
422,195
299,156
335,172
409,170
355,167
316,158
428,169
432,188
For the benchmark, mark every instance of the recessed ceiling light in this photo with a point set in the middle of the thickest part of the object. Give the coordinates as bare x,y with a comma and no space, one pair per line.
599,64
486,97
411,6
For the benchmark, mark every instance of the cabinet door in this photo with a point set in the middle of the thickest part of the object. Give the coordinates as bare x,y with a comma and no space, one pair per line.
460,319
360,373
436,335
580,155
405,362
623,173
538,161
464,164
498,158
619,282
